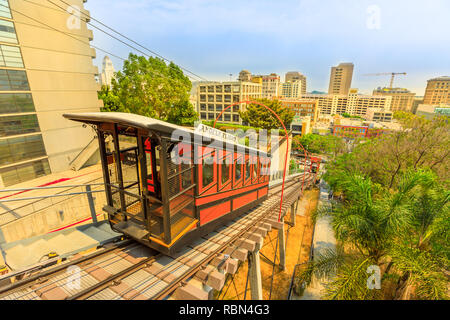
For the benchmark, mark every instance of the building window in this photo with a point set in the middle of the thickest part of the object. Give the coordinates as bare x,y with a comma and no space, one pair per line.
14,125
11,80
211,116
236,108
218,107
203,116
218,88
227,117
210,98
10,57
219,98
16,103
4,9
210,88
203,107
7,31
21,148
25,172
210,107
235,118
202,89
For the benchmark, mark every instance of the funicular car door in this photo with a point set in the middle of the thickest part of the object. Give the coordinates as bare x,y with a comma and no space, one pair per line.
120,153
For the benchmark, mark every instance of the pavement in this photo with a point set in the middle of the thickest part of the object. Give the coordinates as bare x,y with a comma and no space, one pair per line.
323,239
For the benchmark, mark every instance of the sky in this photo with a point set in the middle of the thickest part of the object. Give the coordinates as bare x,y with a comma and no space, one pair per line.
217,38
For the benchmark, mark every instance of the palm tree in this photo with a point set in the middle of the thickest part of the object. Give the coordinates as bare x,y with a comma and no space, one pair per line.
392,229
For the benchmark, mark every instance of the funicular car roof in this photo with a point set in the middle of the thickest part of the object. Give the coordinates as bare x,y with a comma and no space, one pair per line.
142,122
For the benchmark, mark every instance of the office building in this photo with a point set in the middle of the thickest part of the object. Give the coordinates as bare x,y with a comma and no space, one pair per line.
352,103
437,91
402,99
341,78
292,89
44,73
213,97
270,85
296,76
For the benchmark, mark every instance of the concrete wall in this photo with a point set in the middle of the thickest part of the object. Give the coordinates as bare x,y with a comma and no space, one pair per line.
75,208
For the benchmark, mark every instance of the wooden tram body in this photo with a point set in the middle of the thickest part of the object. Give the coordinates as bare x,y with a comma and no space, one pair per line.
165,204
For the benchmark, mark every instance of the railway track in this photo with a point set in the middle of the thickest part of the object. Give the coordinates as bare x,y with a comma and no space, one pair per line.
131,271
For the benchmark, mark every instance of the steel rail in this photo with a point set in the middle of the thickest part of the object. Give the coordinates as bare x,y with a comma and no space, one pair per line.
47,273
189,273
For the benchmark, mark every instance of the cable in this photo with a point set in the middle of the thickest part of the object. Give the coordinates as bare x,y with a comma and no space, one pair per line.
122,35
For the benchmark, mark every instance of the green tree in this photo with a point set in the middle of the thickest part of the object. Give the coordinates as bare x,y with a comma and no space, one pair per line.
314,143
400,231
420,143
151,88
259,117
110,101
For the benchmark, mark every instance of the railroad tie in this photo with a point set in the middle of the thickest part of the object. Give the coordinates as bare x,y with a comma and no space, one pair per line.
226,264
211,277
238,253
190,292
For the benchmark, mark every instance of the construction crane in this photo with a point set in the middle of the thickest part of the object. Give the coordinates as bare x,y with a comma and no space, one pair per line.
393,74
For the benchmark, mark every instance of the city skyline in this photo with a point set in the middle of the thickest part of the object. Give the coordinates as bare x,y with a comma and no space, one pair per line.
288,36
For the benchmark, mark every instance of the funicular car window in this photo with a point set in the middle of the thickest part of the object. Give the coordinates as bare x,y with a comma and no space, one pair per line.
237,170
225,172
247,169
208,169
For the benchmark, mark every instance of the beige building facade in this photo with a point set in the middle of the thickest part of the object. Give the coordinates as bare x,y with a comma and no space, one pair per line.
437,91
214,97
353,103
402,99
293,89
45,72
341,78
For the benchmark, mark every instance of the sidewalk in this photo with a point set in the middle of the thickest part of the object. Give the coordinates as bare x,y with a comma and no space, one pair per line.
323,239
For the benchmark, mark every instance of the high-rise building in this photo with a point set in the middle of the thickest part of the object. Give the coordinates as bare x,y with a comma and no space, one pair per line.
402,99
44,73
213,97
295,75
341,78
107,71
437,91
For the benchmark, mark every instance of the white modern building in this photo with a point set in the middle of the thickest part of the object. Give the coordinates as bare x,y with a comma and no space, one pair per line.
107,71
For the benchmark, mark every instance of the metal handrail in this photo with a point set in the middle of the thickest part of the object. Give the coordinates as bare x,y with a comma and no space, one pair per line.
52,195
41,198
51,187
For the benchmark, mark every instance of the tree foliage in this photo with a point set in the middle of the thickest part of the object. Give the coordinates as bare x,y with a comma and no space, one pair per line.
395,230
258,116
314,143
151,88
394,213
420,143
